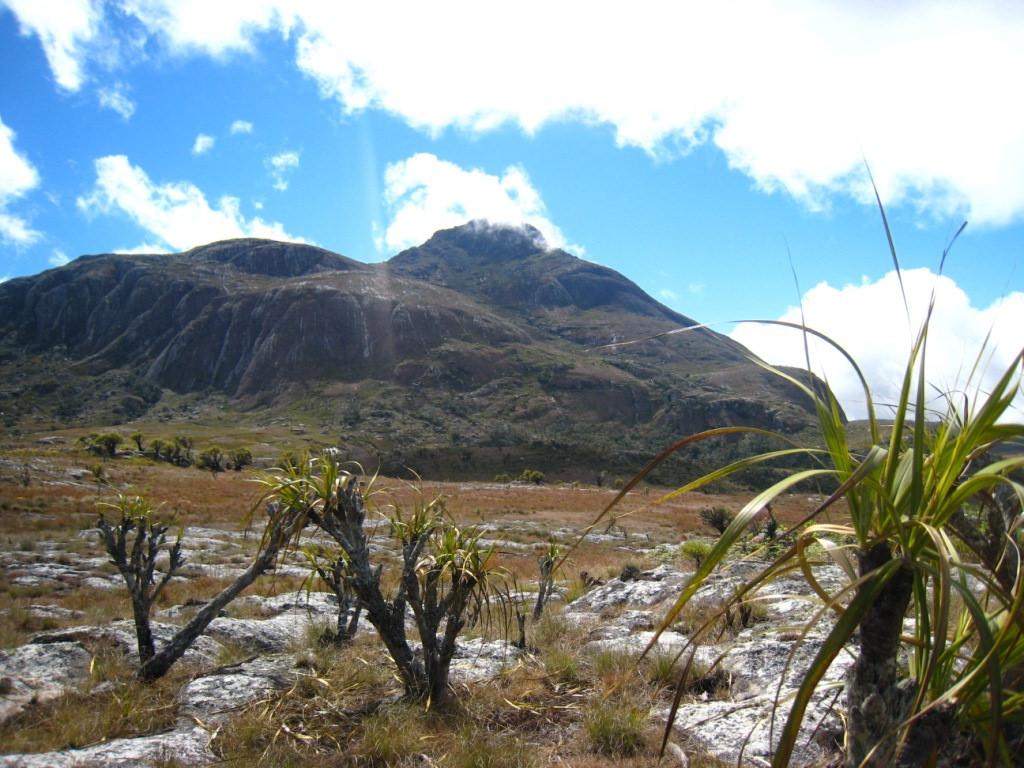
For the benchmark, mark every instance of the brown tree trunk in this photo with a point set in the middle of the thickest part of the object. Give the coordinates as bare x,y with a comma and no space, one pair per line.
876,702
143,632
158,665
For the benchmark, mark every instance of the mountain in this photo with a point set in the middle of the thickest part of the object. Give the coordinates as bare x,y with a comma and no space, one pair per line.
480,350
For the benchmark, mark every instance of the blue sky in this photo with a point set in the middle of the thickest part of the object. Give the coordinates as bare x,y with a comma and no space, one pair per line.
695,147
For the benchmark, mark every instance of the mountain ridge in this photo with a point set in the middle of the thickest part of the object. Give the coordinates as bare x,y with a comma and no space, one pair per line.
481,342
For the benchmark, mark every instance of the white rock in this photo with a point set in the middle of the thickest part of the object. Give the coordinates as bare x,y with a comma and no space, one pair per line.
189,747
215,697
40,673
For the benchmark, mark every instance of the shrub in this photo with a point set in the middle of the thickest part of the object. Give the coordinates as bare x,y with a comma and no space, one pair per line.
695,550
546,565
503,477
105,444
717,518
531,476
240,457
161,450
212,459
336,572
181,451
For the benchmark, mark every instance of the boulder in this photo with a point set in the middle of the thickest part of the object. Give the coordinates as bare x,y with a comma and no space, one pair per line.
189,746
204,651
216,696
39,673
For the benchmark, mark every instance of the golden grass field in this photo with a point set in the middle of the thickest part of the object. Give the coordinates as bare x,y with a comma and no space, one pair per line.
546,713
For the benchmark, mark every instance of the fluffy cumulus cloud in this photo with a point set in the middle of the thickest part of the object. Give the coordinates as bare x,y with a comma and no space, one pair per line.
870,321
795,93
203,144
424,194
241,126
17,177
176,214
115,99
58,258
281,167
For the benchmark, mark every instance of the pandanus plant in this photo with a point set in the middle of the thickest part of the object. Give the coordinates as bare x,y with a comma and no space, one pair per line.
446,575
932,534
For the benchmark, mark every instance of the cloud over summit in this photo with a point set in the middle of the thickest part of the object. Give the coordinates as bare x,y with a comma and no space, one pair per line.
424,194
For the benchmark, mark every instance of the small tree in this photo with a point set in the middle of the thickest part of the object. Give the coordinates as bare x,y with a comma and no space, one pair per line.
445,572
240,457
182,451
212,459
337,574
717,518
107,443
134,543
546,565
531,476
137,437
160,449
696,551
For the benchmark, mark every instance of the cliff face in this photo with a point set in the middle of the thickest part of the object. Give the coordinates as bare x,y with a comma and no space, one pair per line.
480,338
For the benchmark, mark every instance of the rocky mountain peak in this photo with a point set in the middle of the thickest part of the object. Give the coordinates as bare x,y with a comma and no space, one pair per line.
484,240
272,258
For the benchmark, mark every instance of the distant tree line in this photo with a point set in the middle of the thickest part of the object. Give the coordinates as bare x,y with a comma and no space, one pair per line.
179,450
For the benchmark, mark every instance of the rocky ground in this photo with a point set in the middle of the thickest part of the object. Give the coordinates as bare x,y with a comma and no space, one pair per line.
260,645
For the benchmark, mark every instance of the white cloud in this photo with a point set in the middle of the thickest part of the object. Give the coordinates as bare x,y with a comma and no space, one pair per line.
117,100
203,144
215,28
58,258
424,194
795,93
281,166
241,126
668,294
177,214
17,177
870,322
142,248
64,29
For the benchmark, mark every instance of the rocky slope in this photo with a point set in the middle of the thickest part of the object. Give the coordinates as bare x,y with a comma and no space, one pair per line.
481,348
761,664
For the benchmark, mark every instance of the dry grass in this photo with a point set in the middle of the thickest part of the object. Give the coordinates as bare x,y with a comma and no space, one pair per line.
556,707
111,704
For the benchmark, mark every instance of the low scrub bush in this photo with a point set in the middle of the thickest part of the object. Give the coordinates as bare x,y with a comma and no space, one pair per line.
695,550
534,476
716,518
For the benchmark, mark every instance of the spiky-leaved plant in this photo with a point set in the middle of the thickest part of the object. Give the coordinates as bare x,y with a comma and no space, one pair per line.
446,573
933,534
135,541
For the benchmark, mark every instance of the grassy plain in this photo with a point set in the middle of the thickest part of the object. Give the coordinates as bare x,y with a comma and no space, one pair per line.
557,707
